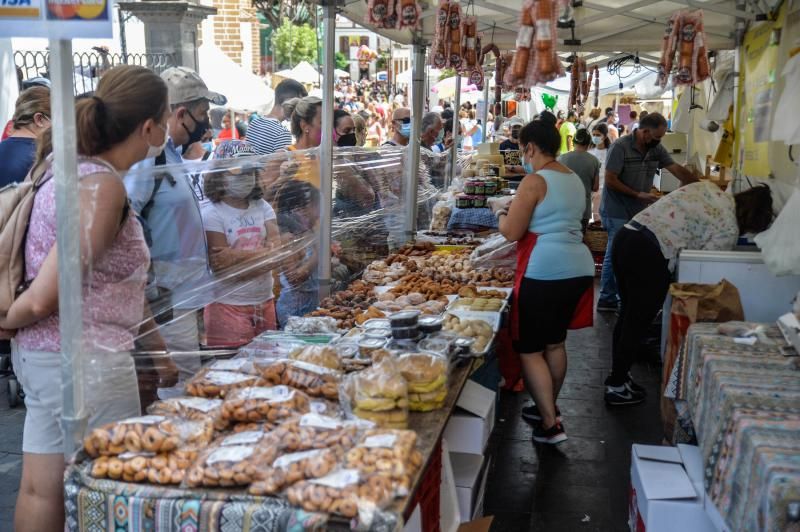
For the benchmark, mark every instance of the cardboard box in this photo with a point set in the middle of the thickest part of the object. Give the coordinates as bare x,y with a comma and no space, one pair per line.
478,525
449,514
414,523
471,424
469,473
664,497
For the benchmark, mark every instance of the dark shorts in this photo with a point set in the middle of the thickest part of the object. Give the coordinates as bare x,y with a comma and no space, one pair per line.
546,309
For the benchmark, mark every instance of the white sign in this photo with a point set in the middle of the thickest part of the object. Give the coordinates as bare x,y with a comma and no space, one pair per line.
56,19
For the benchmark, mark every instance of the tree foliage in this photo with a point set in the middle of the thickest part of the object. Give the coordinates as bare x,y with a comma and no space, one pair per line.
279,11
294,44
342,63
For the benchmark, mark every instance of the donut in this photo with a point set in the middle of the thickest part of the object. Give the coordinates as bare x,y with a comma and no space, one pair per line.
139,463
118,435
114,468
164,476
195,477
89,446
152,440
242,479
100,467
140,476
159,461
133,442
318,495
292,441
348,508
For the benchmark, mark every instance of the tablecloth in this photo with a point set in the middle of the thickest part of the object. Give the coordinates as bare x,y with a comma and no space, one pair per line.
473,219
743,403
94,505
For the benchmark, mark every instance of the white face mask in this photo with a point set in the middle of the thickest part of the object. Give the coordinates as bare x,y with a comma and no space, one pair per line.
155,151
239,186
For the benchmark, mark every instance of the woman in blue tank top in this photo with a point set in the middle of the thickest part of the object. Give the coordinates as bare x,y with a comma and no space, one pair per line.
555,272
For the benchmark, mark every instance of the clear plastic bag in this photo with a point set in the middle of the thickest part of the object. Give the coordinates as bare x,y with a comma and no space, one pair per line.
495,252
159,469
387,452
214,383
315,431
264,404
318,355
346,492
288,469
779,243
197,408
311,325
379,394
153,434
230,465
314,380
426,375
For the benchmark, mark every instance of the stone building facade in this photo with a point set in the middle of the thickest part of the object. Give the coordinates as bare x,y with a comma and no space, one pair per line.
235,30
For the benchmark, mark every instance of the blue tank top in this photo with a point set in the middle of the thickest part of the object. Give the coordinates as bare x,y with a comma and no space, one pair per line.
560,252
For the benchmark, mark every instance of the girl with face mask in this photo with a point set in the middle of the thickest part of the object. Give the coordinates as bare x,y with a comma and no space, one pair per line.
600,145
242,231
306,122
344,129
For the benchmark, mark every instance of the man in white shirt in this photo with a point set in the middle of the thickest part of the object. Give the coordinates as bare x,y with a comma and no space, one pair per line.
266,134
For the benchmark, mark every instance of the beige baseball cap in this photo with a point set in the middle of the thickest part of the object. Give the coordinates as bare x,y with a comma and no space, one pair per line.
514,121
185,85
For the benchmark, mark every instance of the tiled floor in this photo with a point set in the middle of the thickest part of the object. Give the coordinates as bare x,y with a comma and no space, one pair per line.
581,484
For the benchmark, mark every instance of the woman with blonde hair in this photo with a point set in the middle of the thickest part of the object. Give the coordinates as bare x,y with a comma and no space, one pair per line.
123,123
31,118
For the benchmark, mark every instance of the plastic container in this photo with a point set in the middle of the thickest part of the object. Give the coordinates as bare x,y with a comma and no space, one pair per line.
478,202
406,333
378,333
404,318
430,324
479,188
490,187
377,323
366,346
439,346
463,201
469,187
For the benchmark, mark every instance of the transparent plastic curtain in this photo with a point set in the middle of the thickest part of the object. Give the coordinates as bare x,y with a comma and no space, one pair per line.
226,252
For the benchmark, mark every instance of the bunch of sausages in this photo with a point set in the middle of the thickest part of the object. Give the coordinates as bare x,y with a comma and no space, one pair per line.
581,84
535,60
457,43
684,35
394,14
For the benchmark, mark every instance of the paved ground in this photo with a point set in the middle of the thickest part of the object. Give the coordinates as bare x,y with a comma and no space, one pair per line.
580,485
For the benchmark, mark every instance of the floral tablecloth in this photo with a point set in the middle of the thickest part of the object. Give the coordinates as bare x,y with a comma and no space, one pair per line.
743,405
94,505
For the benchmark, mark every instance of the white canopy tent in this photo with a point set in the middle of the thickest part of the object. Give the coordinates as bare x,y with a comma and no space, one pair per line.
245,91
302,72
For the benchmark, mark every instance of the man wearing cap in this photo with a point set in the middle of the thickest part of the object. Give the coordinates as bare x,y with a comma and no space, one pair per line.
510,147
168,208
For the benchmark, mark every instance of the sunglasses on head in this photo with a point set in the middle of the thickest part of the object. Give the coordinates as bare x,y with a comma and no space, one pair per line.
406,120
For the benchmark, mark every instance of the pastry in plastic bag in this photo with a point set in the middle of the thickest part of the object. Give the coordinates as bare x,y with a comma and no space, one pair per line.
314,431
154,434
162,469
215,383
426,375
264,404
198,408
346,492
288,469
319,355
316,381
387,452
230,465
380,394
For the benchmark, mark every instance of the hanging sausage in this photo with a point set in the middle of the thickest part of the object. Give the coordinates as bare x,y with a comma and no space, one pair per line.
545,32
439,46
684,35
519,65
596,87
409,13
454,51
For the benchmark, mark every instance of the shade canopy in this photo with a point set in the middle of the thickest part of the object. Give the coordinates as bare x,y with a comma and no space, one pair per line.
244,90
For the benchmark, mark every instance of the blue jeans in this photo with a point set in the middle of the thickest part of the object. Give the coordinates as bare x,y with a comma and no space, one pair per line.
608,283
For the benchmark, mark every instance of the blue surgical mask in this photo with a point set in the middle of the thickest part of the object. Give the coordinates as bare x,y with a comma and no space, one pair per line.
440,136
405,130
527,166
597,140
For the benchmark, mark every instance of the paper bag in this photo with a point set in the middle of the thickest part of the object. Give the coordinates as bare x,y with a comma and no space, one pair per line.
693,303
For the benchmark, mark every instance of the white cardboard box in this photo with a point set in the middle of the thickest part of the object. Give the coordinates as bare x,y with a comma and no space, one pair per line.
449,514
414,523
663,494
471,424
469,472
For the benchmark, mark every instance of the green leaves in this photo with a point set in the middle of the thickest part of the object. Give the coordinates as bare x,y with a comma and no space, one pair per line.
295,43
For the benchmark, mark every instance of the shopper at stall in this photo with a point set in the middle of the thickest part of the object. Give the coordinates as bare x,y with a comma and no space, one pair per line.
170,214
306,121
344,129
586,166
228,132
567,131
510,147
631,165
401,127
361,129
124,122
298,213
242,232
610,120
267,134
432,130
593,119
600,145
697,216
553,289
31,118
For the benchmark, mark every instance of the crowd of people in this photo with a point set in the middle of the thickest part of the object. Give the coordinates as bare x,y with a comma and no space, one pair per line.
215,257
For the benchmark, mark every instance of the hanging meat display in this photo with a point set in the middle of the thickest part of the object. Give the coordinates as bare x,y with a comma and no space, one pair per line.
394,14
684,35
596,101
579,84
454,51
439,57
535,60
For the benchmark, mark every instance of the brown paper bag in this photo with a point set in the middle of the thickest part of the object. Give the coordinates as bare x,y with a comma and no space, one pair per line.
693,303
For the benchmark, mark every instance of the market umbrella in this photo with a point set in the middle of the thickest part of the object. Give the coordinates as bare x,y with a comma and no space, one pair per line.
305,73
244,90
340,74
406,76
446,88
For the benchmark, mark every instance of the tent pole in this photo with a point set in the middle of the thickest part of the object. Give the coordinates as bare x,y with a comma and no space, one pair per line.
456,132
70,292
412,172
485,107
326,148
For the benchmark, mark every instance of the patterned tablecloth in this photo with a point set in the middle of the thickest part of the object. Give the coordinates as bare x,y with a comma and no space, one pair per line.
744,405
94,505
